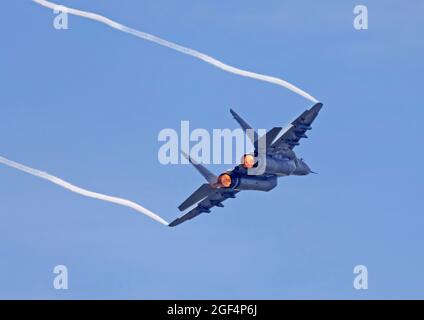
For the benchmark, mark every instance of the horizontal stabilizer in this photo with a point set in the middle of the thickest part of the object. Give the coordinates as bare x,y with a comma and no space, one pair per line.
245,126
209,176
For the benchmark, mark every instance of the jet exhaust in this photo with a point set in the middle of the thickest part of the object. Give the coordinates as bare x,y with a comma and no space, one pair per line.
81,191
224,180
177,47
232,180
248,161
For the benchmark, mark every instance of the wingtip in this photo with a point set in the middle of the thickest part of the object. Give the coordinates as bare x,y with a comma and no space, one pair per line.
174,223
318,106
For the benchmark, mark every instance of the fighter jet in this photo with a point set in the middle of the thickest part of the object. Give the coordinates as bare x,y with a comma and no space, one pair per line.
273,157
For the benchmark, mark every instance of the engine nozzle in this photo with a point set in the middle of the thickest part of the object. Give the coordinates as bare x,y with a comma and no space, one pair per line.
248,161
224,180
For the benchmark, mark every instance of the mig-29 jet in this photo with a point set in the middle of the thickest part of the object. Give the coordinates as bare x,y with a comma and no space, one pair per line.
273,154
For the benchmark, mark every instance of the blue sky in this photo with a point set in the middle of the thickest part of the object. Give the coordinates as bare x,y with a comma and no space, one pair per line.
87,104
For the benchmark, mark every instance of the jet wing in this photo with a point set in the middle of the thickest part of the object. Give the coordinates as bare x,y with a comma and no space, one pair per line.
291,137
266,140
214,198
198,195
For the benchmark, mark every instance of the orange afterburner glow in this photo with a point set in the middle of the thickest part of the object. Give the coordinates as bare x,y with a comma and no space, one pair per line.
225,180
248,161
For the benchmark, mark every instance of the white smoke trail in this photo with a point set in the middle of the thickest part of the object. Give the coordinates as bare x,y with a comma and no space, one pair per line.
87,193
177,47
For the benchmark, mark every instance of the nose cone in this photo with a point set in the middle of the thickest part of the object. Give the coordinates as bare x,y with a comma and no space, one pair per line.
302,168
307,168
